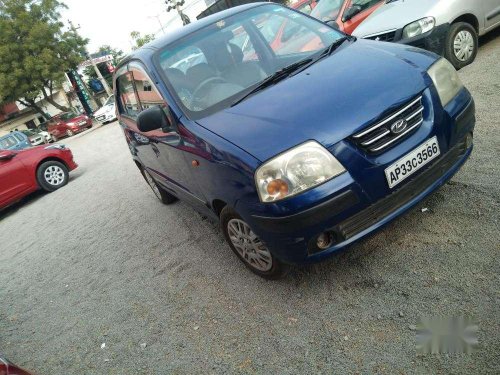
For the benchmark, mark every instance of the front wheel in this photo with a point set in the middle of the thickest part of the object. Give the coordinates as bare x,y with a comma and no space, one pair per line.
52,175
69,133
162,195
249,247
461,45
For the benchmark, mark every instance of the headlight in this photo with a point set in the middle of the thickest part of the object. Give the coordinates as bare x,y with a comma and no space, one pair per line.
295,171
419,27
446,80
56,146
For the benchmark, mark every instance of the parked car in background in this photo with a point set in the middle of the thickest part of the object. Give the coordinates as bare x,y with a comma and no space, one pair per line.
304,6
8,368
297,154
107,112
15,140
449,28
34,137
346,14
41,167
67,124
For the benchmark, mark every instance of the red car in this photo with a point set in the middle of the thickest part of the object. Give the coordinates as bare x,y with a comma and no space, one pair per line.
7,368
67,124
348,14
24,171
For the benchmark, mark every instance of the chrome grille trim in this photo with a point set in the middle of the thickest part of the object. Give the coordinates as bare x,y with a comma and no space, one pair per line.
379,136
398,137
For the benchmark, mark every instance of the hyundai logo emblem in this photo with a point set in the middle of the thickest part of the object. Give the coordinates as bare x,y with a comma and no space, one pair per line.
399,126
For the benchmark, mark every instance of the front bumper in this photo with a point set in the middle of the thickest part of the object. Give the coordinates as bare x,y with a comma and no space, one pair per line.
434,40
352,209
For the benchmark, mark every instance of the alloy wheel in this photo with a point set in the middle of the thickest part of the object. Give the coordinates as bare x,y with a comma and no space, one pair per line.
249,246
463,45
54,175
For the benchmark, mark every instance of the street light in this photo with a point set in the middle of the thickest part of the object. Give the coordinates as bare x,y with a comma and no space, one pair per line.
176,5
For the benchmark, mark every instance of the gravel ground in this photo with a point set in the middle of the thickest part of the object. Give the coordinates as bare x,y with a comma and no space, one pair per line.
101,261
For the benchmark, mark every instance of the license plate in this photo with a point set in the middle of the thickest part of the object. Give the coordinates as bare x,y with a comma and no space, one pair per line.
412,162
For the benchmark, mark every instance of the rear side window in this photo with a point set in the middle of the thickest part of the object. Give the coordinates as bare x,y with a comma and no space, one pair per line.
7,142
128,100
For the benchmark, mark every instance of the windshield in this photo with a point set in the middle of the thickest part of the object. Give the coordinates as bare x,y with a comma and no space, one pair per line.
327,10
110,100
210,68
67,116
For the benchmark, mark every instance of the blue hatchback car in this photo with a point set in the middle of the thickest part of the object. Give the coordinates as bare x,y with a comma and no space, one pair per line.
15,140
299,139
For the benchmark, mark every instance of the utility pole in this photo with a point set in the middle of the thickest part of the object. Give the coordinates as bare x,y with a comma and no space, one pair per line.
159,21
176,5
96,69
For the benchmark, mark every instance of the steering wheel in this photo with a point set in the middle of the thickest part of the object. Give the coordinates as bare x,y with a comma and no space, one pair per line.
202,85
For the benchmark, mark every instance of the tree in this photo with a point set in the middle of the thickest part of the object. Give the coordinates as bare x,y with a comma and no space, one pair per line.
35,51
104,50
141,40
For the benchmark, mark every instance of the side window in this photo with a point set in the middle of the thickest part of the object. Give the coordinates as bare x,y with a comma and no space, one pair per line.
7,142
19,137
364,4
147,93
128,100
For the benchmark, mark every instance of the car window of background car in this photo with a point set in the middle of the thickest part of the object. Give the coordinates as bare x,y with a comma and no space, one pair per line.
363,4
327,10
7,142
110,100
129,104
19,137
67,116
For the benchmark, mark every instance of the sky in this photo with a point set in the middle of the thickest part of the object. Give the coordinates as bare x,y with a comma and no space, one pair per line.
112,21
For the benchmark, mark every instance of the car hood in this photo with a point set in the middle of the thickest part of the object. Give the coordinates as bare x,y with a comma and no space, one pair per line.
328,102
396,15
104,110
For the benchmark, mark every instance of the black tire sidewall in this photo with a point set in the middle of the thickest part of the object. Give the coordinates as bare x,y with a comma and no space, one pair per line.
41,180
450,53
278,269
166,197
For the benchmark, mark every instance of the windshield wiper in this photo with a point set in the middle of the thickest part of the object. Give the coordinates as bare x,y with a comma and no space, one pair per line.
326,52
274,78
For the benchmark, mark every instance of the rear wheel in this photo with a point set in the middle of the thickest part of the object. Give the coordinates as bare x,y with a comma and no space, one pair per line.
461,44
249,247
160,193
54,138
52,175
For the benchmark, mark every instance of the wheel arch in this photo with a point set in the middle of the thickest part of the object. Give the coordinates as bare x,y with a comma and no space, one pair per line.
218,205
51,158
470,19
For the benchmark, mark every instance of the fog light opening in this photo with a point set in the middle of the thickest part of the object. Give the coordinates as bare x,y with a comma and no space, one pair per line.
325,240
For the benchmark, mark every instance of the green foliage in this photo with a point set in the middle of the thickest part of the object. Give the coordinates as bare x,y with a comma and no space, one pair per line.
141,40
35,50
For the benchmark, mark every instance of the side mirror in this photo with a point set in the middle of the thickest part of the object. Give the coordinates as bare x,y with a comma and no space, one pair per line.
332,23
351,12
7,154
153,118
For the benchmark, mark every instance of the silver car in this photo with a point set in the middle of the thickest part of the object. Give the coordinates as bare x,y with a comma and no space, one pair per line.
447,27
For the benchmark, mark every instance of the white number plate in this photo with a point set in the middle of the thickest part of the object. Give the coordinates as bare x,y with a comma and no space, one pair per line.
412,162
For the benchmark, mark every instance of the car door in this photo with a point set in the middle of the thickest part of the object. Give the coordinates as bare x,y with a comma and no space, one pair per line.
491,9
165,149
367,7
14,179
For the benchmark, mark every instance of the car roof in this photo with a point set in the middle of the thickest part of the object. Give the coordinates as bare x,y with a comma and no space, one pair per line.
148,49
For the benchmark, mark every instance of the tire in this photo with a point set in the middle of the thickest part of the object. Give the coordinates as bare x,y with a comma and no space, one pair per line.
52,175
465,37
70,133
262,263
54,138
160,193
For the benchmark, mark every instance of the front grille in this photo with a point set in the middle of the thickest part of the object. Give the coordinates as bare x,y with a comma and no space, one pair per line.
385,37
376,212
379,137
